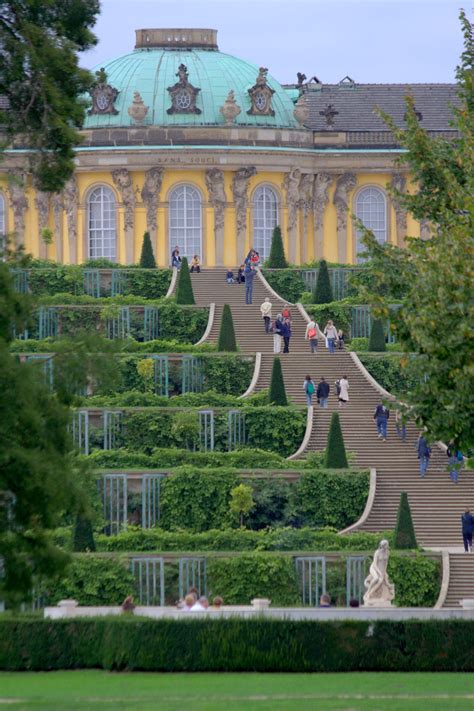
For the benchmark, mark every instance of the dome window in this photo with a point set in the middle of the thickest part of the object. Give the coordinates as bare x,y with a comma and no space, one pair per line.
183,94
261,96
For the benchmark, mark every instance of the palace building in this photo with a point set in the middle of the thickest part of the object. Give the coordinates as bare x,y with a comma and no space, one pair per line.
209,152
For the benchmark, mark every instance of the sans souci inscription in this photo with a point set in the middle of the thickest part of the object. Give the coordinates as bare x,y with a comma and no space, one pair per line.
172,160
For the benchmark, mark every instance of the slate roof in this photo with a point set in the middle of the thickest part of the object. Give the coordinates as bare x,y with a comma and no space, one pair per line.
356,105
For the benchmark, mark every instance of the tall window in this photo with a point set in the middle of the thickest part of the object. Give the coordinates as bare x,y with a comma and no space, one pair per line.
265,219
185,221
371,209
3,222
101,223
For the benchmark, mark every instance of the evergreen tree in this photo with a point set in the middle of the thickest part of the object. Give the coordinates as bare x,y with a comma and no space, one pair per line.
404,535
377,336
147,258
83,535
277,394
226,341
241,501
277,259
335,450
184,289
322,293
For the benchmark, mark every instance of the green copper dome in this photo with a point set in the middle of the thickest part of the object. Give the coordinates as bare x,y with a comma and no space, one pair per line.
153,67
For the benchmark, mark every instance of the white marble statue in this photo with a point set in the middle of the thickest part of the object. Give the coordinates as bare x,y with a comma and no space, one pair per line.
379,590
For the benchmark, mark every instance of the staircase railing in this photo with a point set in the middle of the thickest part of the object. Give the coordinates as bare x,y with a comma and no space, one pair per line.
368,505
307,435
271,290
255,377
172,285
444,581
210,323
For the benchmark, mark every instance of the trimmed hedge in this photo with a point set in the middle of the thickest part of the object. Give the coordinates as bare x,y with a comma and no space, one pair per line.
288,283
261,645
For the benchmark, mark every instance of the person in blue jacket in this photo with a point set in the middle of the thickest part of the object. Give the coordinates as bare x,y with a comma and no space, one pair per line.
467,524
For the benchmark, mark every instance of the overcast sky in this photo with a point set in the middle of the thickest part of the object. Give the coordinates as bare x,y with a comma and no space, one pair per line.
369,40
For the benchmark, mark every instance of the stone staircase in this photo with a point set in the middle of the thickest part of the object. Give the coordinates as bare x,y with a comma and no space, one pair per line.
461,578
436,503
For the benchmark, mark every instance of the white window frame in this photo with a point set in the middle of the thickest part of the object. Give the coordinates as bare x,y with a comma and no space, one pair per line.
102,228
185,220
263,221
370,206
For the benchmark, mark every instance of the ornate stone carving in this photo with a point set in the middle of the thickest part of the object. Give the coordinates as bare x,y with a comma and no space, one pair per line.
18,202
425,232
329,113
103,96
137,109
218,199
320,198
240,183
57,203
123,180
399,183
306,204
345,184
151,194
70,198
292,187
183,94
301,110
379,590
42,206
230,108
261,96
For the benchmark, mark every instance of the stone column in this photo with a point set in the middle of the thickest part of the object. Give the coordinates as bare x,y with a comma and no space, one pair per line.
18,203
320,200
399,183
218,200
70,198
345,184
57,201
42,207
124,184
150,197
240,183
306,204
292,187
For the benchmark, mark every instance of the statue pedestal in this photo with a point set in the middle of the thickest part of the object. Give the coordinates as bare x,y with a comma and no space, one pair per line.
378,603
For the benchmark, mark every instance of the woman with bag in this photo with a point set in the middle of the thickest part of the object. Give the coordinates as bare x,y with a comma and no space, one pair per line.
311,335
309,389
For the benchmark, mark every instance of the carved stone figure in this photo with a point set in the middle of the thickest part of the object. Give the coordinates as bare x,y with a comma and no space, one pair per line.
230,108
329,114
379,590
261,96
306,204
345,184
399,183
183,94
103,95
137,109
42,206
240,183
123,180
70,197
320,198
292,187
151,194
57,203
301,110
218,199
18,202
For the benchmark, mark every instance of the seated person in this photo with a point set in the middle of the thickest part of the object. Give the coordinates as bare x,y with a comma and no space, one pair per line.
195,264
241,275
255,259
229,276
176,258
325,600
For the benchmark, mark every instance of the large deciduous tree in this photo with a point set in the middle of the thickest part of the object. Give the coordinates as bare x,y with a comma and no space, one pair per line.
42,81
436,318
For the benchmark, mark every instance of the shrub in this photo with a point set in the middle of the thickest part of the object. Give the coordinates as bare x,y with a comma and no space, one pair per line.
387,370
335,449
330,499
277,394
323,290
184,289
277,259
83,535
241,501
238,580
278,429
404,536
288,283
147,258
92,580
377,336
416,579
226,341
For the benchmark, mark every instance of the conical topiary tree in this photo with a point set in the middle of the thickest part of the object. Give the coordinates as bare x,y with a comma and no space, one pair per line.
277,259
277,394
335,450
184,289
227,340
404,536
147,258
377,336
322,293
83,535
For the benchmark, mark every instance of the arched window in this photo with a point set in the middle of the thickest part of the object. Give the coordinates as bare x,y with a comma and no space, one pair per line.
371,209
265,219
185,221
101,223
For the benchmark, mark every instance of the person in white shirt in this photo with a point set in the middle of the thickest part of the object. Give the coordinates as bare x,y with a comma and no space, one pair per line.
200,605
266,311
331,334
344,391
311,335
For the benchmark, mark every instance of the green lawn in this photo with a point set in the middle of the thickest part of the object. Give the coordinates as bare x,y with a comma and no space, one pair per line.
98,690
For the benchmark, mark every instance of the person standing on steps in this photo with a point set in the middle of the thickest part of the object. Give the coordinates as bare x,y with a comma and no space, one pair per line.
241,275
286,333
344,391
285,312
195,265
400,426
266,311
424,453
311,335
455,461
277,333
309,389
381,416
340,339
323,393
250,272
176,258
467,525
331,335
